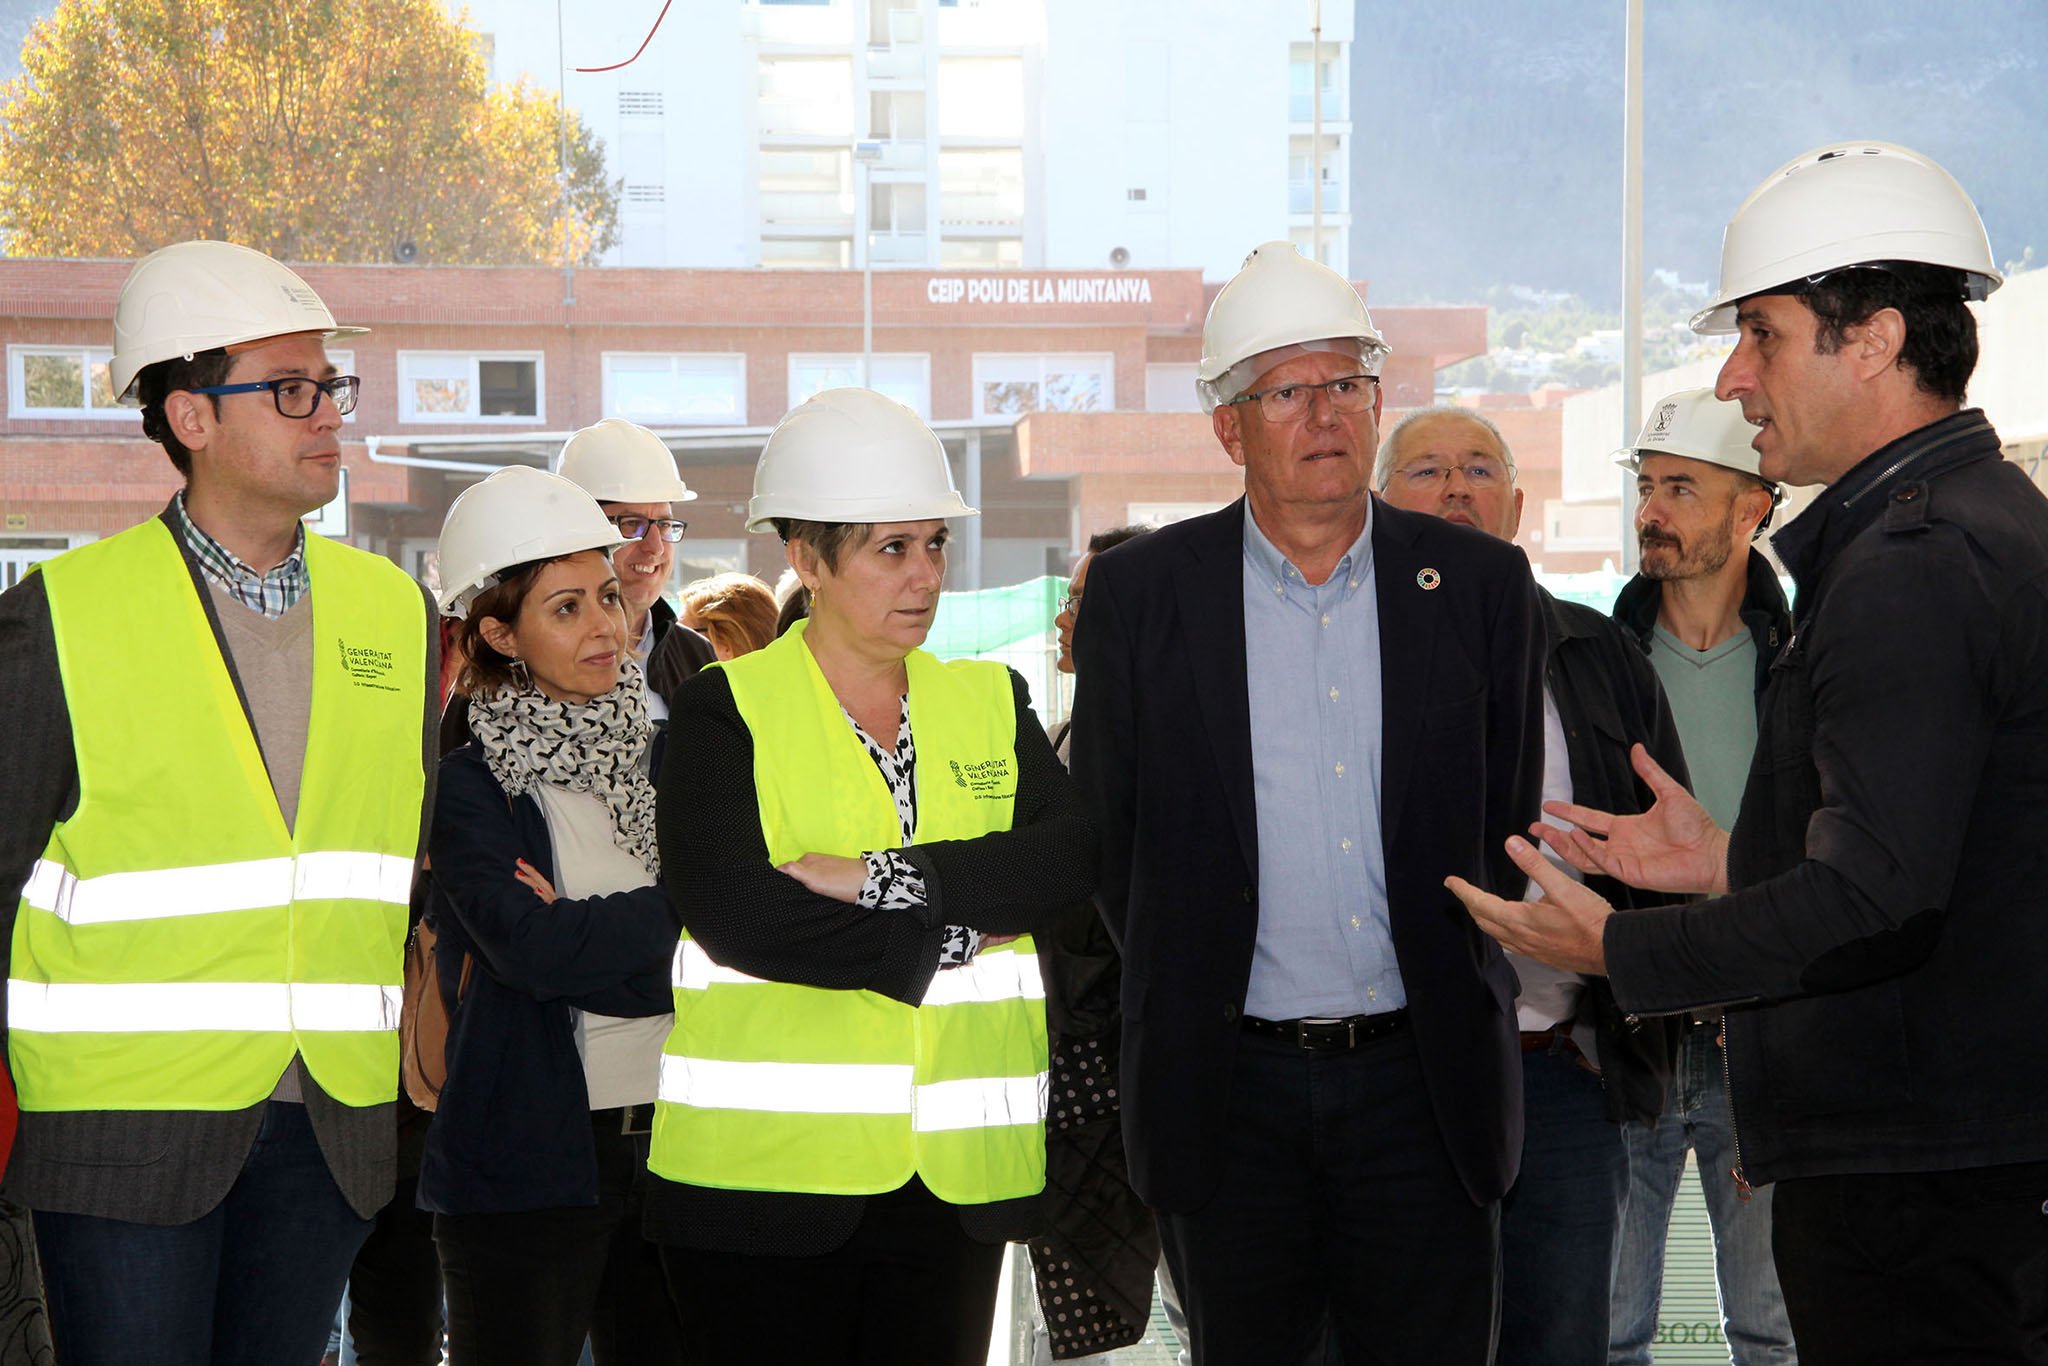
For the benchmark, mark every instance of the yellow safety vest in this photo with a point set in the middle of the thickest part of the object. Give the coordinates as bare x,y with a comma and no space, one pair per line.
773,1086
175,944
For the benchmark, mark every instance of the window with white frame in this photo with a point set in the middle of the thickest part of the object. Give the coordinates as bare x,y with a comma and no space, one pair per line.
456,386
903,376
344,363
657,387
1170,387
61,381
1005,384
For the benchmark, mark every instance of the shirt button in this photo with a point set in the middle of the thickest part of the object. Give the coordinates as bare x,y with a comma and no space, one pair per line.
1333,694
1351,583
1279,590
1354,922
1345,845
1372,993
1326,618
1340,770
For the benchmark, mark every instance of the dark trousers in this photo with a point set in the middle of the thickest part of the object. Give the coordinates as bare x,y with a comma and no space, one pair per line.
394,1290
908,1286
1338,1211
253,1282
1559,1224
525,1288
1917,1268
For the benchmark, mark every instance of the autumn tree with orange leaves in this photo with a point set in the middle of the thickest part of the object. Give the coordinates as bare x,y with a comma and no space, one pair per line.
320,130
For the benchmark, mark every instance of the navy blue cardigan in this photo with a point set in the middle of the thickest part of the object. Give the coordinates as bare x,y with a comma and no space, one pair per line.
513,1128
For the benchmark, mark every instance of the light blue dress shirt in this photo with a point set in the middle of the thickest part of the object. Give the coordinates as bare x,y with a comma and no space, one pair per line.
1312,673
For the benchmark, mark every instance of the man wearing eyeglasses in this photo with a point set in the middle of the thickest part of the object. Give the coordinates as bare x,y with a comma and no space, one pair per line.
1294,717
1585,1070
632,474
212,813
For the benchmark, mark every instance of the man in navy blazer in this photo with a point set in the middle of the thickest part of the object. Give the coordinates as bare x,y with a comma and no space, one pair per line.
1295,718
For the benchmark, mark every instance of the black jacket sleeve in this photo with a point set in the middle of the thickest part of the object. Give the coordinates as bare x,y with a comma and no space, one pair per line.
1016,881
1900,732
749,915
39,777
573,947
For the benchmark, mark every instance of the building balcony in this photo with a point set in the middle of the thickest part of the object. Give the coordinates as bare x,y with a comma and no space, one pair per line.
1336,107
808,212
903,154
899,249
1301,197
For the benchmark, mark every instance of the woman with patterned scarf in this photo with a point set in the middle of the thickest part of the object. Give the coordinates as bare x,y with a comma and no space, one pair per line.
547,887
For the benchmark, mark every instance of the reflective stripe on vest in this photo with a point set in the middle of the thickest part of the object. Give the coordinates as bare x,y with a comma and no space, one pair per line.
772,1086
244,1007
808,1088
176,944
332,876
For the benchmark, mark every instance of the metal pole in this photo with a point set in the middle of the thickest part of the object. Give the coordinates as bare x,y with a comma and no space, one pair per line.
970,527
865,154
1631,266
562,158
1315,153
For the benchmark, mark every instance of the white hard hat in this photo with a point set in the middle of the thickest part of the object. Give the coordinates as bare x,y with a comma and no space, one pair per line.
1694,424
1280,298
616,461
200,296
851,455
515,516
1848,204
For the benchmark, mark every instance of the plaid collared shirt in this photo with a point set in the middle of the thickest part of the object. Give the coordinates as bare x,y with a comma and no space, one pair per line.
272,594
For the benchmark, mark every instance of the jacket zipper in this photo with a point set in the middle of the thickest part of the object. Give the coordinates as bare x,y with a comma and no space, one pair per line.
1742,1187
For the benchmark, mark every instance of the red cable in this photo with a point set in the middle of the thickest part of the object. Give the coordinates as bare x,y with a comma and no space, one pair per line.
643,44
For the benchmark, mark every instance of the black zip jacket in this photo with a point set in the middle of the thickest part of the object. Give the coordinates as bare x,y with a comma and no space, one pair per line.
1608,699
1890,864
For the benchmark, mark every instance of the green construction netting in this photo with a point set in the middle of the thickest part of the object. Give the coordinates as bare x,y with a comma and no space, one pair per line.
991,619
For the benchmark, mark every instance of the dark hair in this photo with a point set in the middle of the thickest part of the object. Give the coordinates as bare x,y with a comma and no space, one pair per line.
1941,334
795,608
484,670
827,540
154,383
1115,536
736,611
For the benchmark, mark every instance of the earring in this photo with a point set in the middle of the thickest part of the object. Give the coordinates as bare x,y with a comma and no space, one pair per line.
522,678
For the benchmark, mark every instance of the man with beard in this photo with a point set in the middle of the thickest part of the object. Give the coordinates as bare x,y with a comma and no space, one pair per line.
1711,621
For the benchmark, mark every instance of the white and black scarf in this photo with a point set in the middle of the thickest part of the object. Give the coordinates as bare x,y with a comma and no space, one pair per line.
595,747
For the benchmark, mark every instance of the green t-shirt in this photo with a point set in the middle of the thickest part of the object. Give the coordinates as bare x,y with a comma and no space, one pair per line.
1713,699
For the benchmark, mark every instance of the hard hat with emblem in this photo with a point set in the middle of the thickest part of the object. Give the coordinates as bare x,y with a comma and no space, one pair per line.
1848,204
1280,298
616,461
1694,424
515,516
199,296
853,455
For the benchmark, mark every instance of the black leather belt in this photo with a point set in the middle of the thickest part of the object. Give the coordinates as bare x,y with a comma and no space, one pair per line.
624,1119
1329,1036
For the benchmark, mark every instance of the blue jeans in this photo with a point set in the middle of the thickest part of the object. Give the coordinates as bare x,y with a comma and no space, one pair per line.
253,1282
1559,1224
1696,1116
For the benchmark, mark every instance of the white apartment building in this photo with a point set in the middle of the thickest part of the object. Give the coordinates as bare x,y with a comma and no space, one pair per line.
953,134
